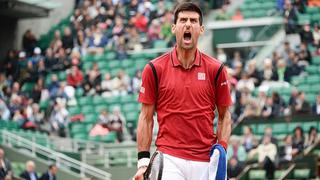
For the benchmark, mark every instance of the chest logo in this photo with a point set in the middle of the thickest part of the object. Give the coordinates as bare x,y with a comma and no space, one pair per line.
201,76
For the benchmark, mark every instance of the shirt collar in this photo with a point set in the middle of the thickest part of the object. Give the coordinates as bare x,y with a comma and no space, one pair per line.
175,61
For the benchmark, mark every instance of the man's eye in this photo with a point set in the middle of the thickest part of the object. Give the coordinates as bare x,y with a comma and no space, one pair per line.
193,21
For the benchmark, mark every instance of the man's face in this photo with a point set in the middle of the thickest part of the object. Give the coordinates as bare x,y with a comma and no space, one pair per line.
187,29
54,170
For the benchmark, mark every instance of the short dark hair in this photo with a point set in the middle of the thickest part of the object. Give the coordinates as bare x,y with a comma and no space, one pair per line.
52,166
187,6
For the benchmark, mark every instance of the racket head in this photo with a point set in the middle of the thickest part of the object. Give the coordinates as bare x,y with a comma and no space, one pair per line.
155,167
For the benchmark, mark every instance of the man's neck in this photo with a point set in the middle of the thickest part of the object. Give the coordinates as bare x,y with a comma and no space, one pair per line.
186,57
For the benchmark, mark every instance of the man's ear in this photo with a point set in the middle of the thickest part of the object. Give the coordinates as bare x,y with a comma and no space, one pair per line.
173,29
201,29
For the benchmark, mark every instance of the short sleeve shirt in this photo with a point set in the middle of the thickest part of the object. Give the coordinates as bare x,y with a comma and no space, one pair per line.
185,102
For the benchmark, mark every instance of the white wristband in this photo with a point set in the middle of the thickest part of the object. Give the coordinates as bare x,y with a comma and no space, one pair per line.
143,162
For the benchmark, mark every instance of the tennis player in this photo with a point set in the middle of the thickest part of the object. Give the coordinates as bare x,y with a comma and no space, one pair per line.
184,87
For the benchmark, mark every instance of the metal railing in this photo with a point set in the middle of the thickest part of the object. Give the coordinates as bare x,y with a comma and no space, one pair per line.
60,159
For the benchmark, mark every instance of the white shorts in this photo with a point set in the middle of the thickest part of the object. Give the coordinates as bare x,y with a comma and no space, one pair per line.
180,169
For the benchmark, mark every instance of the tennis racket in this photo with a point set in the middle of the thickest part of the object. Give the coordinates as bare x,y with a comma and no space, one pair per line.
155,167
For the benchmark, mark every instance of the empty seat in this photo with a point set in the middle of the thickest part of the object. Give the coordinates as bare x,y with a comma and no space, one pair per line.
301,173
257,174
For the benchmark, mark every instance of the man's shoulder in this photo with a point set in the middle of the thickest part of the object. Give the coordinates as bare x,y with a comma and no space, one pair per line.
210,60
160,60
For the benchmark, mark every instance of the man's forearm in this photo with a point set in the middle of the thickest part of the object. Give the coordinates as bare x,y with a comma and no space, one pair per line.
144,133
224,127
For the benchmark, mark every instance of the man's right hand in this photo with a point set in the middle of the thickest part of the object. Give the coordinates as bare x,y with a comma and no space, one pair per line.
140,172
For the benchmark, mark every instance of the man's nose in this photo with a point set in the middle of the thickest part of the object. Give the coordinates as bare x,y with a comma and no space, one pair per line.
188,23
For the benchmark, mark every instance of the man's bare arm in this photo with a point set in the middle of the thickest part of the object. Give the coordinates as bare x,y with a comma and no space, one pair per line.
145,127
224,124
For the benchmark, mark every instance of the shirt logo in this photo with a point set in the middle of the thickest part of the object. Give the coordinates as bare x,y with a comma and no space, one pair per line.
224,83
201,76
142,90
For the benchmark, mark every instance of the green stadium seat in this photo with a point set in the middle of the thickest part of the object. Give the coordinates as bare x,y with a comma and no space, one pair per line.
113,99
304,87
103,65
81,136
310,97
112,106
137,56
260,128
312,69
254,6
304,19
27,87
280,128
90,118
295,80
150,56
85,100
62,76
99,108
306,125
87,109
88,58
315,88
292,126
87,65
257,174
79,92
126,63
160,44
311,10
98,58
140,63
301,173
110,55
114,64
74,110
44,105
131,71
128,98
129,107
315,18
98,100
132,116
110,137
316,60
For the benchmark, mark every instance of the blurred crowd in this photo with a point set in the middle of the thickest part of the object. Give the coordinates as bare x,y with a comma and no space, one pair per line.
29,173
253,90
269,151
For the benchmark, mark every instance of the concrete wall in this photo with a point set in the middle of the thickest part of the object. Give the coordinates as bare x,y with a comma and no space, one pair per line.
41,26
6,35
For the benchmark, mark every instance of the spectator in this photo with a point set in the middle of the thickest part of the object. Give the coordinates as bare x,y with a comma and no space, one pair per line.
221,55
286,50
268,132
97,41
249,141
267,152
306,35
36,116
278,104
268,110
222,14
134,40
290,18
166,33
11,65
5,166
237,16
59,118
30,173
294,68
312,137
74,77
234,168
316,34
117,123
140,22
29,42
51,173
104,118
92,81
268,73
236,150
297,141
36,56
54,86
154,30
136,82
253,72
304,55
316,106
245,83
67,40
286,151
106,85
4,111
302,106
120,83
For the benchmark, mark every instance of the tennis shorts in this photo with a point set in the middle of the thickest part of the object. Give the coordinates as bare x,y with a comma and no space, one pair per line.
180,169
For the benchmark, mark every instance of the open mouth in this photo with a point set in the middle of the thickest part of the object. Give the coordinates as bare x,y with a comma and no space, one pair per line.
187,36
